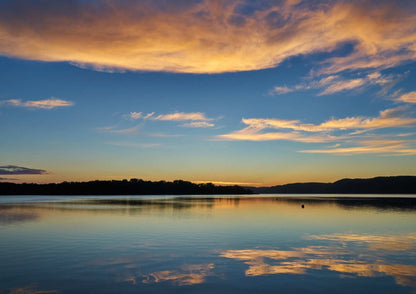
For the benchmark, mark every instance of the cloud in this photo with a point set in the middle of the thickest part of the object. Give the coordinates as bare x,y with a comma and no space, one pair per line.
389,118
42,104
342,85
208,36
139,145
139,115
112,129
176,116
180,116
396,147
198,124
196,119
249,135
408,97
335,83
281,90
18,170
136,130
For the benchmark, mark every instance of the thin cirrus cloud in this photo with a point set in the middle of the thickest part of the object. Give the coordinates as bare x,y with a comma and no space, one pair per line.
195,119
20,170
40,104
394,117
208,36
334,83
392,147
176,116
136,130
347,130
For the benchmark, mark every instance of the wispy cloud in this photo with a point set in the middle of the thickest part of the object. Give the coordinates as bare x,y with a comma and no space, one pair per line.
248,134
136,130
408,97
115,130
395,147
348,131
42,104
208,36
388,118
138,145
335,83
196,119
176,116
19,170
281,90
198,124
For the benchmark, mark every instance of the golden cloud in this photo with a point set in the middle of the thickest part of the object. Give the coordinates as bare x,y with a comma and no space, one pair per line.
408,97
209,36
195,119
389,118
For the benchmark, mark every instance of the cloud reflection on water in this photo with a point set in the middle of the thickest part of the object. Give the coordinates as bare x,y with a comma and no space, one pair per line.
188,274
343,259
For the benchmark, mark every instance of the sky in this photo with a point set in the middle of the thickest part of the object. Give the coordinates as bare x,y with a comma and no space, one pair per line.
242,92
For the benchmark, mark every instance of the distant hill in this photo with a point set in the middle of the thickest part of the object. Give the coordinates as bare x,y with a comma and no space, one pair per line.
124,187
378,185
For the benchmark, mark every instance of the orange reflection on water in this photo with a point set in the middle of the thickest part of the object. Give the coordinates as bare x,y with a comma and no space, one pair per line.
188,274
333,258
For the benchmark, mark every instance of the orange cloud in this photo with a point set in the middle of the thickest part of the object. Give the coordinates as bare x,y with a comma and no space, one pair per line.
179,116
197,119
408,97
206,37
388,118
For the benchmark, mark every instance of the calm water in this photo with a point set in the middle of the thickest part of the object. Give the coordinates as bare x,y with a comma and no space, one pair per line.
206,245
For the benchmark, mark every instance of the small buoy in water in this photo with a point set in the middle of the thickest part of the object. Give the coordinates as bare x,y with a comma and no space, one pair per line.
303,206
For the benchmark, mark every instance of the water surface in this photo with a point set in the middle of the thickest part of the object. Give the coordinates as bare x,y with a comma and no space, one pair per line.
231,244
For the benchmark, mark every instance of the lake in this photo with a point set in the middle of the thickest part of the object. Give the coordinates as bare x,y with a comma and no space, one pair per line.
207,244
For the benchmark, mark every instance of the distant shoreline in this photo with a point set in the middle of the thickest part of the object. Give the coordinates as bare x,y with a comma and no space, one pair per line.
124,187
377,185
405,185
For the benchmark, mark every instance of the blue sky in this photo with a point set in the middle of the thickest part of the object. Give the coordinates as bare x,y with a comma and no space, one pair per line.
246,92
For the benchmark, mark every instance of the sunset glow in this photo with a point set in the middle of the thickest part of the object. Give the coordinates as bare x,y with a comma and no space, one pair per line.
246,92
